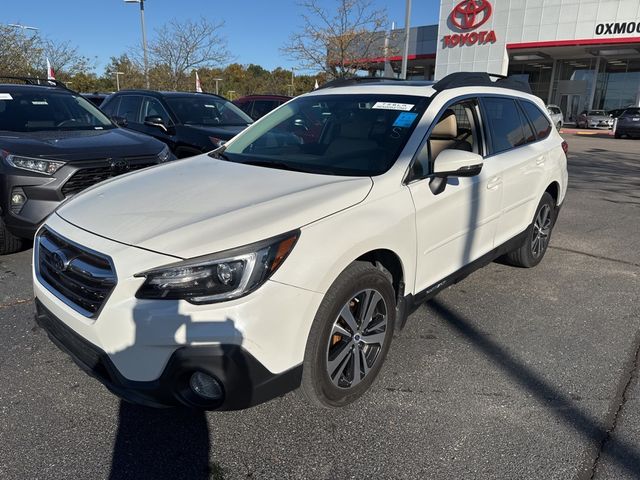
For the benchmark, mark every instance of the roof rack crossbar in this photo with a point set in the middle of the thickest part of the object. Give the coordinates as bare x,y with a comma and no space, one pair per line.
480,79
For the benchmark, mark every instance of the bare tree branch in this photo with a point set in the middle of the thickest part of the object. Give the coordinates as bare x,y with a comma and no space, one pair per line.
338,42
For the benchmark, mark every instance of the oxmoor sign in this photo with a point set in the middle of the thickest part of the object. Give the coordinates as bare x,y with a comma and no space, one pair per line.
470,15
617,28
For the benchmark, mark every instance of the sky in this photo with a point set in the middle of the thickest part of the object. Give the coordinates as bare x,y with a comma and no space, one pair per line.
255,30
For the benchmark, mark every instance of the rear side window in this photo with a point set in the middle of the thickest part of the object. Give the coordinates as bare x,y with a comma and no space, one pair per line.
529,136
504,124
129,108
538,119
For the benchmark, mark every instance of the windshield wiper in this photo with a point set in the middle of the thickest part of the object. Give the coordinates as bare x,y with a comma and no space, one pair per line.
274,164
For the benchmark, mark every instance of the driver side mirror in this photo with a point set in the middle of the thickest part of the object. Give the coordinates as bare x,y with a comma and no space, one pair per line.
454,163
120,121
155,121
457,163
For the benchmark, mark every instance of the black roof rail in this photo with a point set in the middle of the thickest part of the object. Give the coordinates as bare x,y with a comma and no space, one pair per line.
346,82
480,79
39,81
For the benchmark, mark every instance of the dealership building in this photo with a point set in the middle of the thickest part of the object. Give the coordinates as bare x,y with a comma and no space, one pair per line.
578,54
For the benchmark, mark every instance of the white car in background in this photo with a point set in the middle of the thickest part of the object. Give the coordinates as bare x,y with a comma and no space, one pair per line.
288,257
557,117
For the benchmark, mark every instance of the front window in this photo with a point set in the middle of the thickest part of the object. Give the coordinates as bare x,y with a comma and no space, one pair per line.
352,135
208,111
33,111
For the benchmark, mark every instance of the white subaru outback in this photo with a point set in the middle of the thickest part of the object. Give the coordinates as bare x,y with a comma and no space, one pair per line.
287,257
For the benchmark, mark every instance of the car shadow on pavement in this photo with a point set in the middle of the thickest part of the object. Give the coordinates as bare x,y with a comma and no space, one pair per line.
160,443
623,454
165,443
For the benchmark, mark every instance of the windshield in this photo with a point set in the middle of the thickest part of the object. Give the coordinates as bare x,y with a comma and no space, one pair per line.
24,111
207,110
354,135
597,113
632,112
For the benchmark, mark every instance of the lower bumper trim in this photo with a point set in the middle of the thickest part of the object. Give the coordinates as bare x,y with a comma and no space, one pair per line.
246,382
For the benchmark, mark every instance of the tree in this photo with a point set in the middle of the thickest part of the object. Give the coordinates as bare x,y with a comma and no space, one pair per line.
65,59
184,46
339,42
18,49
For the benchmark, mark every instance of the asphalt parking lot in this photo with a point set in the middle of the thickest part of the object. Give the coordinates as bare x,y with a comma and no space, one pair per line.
519,374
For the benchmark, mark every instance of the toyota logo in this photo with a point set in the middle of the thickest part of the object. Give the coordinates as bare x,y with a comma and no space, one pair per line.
59,261
119,165
471,14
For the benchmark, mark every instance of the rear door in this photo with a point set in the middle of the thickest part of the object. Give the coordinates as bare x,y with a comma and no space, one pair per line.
515,147
129,109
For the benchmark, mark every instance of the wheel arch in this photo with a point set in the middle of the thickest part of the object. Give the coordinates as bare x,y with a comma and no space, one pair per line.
389,261
554,190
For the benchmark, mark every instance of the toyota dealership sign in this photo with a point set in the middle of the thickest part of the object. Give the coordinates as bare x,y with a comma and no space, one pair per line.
466,18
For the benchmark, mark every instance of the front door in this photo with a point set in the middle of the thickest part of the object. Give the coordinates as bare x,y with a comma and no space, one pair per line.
458,225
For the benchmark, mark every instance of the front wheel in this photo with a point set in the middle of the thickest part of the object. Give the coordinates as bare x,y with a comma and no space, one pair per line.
538,235
349,338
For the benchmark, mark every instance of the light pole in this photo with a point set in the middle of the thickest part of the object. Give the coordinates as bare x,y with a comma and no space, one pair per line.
117,74
230,94
144,40
407,26
23,27
217,80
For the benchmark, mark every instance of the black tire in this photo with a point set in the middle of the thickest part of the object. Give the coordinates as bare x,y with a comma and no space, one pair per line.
617,135
348,292
527,255
9,243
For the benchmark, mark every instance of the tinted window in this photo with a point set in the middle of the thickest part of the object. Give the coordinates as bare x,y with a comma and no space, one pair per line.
29,111
129,108
538,119
629,112
504,124
111,106
246,107
359,135
207,110
152,107
262,107
529,136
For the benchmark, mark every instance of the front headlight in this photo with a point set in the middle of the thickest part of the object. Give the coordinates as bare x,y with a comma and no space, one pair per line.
164,155
39,165
219,277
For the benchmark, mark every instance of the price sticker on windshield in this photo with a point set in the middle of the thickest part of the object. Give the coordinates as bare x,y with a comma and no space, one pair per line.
404,107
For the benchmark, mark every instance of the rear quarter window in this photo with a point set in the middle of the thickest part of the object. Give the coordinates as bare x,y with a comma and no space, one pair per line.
539,120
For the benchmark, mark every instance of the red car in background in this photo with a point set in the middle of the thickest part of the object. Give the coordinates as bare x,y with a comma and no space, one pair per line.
257,106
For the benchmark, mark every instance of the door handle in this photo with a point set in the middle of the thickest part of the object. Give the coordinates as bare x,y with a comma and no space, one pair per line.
494,183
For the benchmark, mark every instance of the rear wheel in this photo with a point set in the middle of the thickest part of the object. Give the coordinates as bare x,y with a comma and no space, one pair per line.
9,243
536,242
349,338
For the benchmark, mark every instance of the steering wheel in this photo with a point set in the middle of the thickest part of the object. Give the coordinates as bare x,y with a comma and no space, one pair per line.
66,123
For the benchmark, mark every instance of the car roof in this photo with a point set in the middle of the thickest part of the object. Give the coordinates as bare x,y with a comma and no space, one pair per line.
263,97
13,87
165,94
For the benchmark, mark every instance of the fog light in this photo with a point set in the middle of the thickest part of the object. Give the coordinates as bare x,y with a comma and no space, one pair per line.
205,386
17,199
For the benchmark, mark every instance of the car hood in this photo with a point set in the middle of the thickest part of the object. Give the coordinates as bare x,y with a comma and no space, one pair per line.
598,118
201,205
79,144
222,132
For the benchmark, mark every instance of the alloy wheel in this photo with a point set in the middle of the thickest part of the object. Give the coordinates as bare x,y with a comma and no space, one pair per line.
541,231
356,339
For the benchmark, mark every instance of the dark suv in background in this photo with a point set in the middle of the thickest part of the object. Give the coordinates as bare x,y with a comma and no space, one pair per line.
257,106
54,144
189,123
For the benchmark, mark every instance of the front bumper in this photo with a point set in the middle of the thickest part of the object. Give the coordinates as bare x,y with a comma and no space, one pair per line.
246,382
